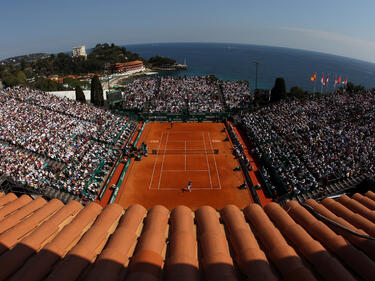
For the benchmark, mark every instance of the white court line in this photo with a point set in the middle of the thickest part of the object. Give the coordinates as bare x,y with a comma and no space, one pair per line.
162,163
157,155
185,171
208,164
217,172
180,132
179,188
185,157
184,141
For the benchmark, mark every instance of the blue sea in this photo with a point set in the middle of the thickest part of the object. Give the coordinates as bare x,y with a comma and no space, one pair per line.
236,62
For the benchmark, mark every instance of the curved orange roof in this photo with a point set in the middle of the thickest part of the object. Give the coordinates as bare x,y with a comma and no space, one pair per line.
5,199
319,257
370,195
182,260
52,241
285,258
357,207
336,244
365,245
364,201
352,217
14,205
249,257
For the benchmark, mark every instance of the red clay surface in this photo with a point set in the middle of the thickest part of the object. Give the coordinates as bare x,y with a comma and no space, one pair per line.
160,178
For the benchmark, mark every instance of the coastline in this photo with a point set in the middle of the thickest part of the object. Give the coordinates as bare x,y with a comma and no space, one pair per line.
120,80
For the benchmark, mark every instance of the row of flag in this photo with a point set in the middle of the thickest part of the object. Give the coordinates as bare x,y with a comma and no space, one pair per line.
325,80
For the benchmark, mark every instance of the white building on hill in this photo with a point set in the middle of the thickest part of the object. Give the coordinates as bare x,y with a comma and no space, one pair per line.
79,52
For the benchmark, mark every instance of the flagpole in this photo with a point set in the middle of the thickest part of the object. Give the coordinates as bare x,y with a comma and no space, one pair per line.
334,85
312,81
314,85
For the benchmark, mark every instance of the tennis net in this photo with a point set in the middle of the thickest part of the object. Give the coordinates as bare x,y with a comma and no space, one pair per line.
185,151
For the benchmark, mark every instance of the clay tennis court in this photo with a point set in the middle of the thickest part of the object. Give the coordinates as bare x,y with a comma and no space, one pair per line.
195,152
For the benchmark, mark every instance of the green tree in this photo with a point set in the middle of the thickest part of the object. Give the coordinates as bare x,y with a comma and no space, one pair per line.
212,78
297,92
47,85
21,77
9,79
352,88
80,96
278,91
96,92
72,82
158,61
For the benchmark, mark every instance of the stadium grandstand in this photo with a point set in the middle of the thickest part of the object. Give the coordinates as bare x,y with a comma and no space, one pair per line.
187,180
56,145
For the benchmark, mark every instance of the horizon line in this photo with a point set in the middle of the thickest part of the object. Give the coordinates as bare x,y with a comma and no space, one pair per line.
197,42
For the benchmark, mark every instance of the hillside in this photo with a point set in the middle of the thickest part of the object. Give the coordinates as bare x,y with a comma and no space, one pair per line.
27,58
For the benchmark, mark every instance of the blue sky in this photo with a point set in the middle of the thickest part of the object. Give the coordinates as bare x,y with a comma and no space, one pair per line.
344,27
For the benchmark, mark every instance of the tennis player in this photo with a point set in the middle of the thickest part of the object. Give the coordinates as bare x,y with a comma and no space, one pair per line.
188,188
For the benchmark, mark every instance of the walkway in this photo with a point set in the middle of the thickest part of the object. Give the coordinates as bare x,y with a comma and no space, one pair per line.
263,199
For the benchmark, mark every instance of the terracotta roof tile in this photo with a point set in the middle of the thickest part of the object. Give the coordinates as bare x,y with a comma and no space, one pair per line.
117,252
15,234
38,266
14,259
50,241
354,218
349,255
364,200
285,258
216,259
357,207
370,195
25,209
249,257
13,205
5,199
89,246
368,246
322,261
148,258
182,261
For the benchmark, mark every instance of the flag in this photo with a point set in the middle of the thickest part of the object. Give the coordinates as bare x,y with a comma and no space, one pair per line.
345,82
326,82
339,80
334,85
313,78
322,80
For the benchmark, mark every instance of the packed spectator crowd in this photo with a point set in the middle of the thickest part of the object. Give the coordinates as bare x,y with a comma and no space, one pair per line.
23,167
105,126
175,94
78,136
139,92
237,94
197,94
307,142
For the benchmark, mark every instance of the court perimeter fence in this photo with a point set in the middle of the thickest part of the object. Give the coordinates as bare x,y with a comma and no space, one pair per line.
245,170
168,116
